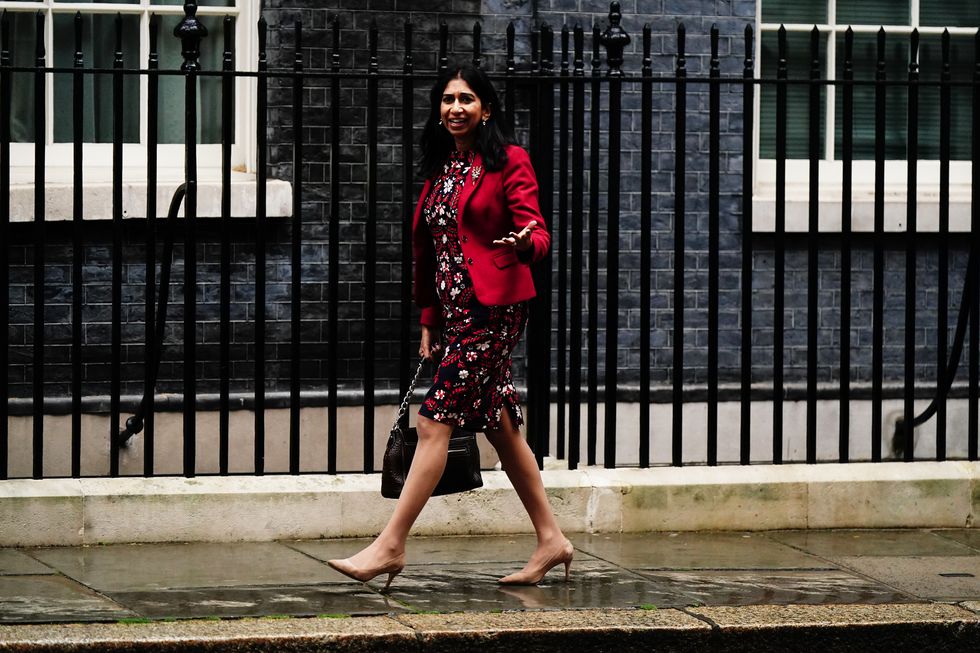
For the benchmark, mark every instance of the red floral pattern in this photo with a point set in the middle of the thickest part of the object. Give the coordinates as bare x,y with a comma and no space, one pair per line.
473,382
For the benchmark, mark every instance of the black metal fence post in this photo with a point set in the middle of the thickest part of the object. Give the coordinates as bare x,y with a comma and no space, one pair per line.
593,288
224,335
847,172
510,70
117,246
680,171
540,318
748,156
910,246
296,259
408,89
40,149
813,230
615,39
714,218
560,228
646,210
190,31
575,302
942,331
877,311
333,254
370,246
78,90
261,125
149,334
779,244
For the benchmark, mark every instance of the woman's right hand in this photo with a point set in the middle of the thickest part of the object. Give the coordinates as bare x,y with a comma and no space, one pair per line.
430,348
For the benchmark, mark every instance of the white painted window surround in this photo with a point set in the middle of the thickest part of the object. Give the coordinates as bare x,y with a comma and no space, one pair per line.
97,171
831,170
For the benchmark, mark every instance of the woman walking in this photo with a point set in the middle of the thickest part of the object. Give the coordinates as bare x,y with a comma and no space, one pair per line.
476,230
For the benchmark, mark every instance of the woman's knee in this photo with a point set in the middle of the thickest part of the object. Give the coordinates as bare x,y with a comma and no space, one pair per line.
429,429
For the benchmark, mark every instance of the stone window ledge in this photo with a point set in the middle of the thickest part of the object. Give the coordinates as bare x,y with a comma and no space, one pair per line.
97,194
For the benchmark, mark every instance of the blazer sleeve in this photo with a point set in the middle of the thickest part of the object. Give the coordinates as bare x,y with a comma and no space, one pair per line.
521,188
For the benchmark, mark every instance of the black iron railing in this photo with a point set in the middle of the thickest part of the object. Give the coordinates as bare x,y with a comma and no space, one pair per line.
583,205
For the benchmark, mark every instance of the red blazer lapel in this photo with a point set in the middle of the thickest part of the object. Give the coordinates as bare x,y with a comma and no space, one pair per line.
477,173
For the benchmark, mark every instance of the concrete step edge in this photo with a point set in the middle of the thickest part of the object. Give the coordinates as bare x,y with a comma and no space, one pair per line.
899,627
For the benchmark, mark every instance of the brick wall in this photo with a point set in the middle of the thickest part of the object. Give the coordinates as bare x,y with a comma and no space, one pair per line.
460,15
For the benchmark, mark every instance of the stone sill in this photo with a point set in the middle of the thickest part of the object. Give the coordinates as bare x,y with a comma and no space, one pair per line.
97,194
862,213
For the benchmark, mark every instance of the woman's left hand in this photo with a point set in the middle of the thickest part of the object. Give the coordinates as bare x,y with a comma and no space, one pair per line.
521,241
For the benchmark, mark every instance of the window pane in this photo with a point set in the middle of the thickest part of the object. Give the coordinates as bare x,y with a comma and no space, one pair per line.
98,45
797,96
873,12
896,97
209,88
22,28
794,11
961,69
943,13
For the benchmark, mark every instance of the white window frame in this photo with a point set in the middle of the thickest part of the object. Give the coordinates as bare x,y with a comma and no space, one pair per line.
97,157
831,170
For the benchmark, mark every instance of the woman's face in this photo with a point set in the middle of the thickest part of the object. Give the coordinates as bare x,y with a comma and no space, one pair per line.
461,111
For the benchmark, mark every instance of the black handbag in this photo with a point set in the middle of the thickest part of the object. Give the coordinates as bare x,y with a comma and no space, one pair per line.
462,471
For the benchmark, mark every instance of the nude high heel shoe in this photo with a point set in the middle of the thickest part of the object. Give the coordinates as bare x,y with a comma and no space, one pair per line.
534,576
393,567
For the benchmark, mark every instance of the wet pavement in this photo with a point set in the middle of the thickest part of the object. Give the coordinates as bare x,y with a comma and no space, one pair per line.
458,574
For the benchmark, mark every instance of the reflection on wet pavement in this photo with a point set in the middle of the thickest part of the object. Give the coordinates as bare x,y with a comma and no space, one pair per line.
781,587
353,599
454,574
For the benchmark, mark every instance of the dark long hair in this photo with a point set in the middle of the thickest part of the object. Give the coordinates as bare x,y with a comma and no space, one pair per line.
491,140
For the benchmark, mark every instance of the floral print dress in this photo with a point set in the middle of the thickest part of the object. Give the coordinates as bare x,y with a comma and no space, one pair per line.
473,382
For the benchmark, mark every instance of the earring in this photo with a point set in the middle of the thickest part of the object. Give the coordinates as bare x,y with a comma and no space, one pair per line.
440,121
484,123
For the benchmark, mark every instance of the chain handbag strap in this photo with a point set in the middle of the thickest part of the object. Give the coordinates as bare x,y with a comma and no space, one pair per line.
403,409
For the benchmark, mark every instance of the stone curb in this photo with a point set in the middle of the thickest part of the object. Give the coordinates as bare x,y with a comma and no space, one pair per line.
899,627
71,512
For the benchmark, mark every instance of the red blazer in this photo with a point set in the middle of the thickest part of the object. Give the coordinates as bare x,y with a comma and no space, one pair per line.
492,204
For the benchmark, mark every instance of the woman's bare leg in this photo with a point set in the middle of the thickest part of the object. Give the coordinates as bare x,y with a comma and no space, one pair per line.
426,470
521,467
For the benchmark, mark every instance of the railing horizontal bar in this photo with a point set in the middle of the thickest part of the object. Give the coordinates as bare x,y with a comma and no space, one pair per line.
516,78
661,394
113,9
866,29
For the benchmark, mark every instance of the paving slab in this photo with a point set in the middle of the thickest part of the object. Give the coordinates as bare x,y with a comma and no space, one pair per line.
16,563
456,588
939,578
308,601
967,536
780,587
38,599
696,551
142,567
878,542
